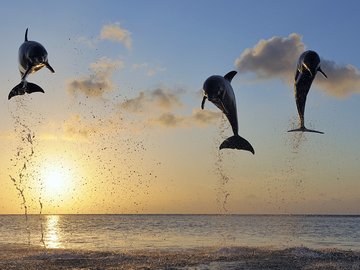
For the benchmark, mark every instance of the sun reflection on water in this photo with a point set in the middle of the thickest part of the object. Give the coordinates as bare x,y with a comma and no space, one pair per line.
52,232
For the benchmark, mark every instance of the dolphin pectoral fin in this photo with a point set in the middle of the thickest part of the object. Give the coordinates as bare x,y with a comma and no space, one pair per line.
237,142
223,107
304,129
203,102
49,67
322,72
229,76
32,88
17,90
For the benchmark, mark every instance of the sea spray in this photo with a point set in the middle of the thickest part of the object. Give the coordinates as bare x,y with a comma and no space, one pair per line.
293,173
222,192
116,153
296,139
42,240
223,178
23,161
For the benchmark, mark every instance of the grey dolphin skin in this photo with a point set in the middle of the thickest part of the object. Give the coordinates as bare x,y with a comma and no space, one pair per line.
219,91
307,67
32,57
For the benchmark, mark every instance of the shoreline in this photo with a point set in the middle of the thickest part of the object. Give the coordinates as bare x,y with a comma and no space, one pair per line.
33,257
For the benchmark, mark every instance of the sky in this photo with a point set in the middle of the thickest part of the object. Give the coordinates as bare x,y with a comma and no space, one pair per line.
119,128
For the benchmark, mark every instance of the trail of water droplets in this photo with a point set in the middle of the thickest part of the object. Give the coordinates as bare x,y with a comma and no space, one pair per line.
219,170
116,152
23,161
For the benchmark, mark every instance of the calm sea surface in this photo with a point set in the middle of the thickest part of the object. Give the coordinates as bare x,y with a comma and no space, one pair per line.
172,232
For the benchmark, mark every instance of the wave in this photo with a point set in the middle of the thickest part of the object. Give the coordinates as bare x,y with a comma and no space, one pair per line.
211,258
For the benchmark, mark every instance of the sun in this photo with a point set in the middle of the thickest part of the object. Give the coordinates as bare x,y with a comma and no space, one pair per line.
56,180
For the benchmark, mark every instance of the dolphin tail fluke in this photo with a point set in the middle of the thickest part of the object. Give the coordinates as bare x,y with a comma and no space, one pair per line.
25,87
17,90
237,142
304,129
32,88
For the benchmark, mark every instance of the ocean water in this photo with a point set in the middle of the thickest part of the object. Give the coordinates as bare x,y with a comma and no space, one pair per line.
179,242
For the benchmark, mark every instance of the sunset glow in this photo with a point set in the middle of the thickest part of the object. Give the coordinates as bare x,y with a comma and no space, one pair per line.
56,180
120,129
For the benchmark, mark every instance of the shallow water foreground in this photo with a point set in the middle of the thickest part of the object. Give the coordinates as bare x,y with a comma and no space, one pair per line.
37,258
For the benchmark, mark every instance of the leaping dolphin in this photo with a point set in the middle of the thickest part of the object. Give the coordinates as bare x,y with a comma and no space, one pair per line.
218,90
307,67
32,57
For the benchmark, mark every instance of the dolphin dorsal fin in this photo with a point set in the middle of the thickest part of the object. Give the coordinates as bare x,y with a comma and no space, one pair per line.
26,39
230,75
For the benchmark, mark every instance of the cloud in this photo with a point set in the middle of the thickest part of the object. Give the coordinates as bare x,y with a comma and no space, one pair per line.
277,57
168,119
159,104
116,33
205,117
99,82
158,99
342,80
150,71
199,118
111,32
75,128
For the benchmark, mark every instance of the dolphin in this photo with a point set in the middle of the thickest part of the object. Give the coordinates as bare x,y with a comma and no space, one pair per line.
307,67
32,57
219,91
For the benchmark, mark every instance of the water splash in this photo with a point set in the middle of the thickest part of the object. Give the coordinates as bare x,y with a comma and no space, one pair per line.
219,170
117,154
223,179
296,139
292,174
24,156
42,240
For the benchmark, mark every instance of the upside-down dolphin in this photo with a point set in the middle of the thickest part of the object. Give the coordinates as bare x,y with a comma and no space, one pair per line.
307,67
218,90
32,57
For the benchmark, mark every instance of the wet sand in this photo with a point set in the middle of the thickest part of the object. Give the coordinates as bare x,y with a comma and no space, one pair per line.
37,258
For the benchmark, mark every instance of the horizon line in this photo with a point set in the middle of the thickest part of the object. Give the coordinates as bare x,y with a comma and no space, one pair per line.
181,214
